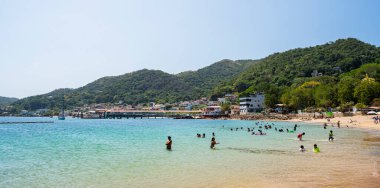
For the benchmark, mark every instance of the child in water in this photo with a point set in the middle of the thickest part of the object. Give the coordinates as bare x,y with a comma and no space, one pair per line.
331,138
302,149
213,143
299,136
316,149
169,143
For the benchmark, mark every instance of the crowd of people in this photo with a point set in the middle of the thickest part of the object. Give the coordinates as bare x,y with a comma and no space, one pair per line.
259,131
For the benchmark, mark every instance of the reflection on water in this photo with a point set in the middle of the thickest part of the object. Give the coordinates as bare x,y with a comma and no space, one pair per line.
261,151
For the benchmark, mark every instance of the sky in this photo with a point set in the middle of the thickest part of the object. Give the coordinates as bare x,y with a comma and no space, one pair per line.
45,45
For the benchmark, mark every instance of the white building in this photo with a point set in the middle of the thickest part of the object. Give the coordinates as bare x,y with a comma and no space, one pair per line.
253,103
212,111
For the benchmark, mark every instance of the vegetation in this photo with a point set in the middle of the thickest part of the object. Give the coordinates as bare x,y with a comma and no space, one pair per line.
142,86
337,74
321,77
6,100
206,79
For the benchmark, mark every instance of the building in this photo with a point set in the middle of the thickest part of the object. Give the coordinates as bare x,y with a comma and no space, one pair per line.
235,109
211,111
222,100
253,103
230,98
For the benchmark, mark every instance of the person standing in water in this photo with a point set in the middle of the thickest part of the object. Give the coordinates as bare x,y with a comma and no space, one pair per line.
299,136
213,143
169,143
302,149
316,149
331,138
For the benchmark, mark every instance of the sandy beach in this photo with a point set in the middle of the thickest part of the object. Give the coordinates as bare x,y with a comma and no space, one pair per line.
357,121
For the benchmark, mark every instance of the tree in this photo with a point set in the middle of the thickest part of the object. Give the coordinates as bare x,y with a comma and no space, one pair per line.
346,87
326,95
367,90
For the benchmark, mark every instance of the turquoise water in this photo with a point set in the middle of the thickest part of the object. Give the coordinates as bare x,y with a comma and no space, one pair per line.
131,153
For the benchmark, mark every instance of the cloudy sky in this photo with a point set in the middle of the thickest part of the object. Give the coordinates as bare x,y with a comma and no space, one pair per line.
46,45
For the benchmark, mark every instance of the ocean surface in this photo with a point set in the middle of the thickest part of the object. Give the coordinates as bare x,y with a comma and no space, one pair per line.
132,153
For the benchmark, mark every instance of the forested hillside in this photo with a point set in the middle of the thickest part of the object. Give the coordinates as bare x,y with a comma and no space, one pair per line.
330,75
309,77
141,87
7,100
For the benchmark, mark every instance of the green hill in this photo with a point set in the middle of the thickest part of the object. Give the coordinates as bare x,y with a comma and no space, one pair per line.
285,77
205,79
282,73
141,87
6,100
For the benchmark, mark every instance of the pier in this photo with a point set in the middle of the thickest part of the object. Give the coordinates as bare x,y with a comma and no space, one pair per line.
150,114
25,122
139,114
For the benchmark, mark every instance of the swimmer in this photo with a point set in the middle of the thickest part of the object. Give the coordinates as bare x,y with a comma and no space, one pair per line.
302,149
316,149
299,136
295,127
213,143
213,134
169,143
204,135
331,138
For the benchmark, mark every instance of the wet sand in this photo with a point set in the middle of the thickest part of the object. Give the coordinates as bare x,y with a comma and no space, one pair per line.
357,121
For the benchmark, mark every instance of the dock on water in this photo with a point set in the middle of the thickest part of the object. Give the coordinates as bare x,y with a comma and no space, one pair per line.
25,122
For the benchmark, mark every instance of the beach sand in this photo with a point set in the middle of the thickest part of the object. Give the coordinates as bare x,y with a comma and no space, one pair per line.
357,121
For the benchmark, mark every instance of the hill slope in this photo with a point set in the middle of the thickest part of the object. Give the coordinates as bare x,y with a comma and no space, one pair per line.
207,78
141,87
283,69
7,100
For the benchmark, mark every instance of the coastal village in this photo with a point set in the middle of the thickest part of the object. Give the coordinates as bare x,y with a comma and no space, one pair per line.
229,105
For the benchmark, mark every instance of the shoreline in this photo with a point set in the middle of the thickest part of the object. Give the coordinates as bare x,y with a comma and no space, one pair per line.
357,121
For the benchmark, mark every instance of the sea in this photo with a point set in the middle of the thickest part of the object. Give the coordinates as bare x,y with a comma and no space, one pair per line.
132,153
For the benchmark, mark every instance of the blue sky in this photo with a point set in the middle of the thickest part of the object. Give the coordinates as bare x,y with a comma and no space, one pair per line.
46,45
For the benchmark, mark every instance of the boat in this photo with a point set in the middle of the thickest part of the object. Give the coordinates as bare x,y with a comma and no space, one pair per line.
61,115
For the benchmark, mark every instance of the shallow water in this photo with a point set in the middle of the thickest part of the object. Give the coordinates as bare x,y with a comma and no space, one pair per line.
131,153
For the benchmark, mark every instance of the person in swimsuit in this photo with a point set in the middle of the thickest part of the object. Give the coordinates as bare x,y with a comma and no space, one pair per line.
331,138
299,136
302,149
169,143
213,143
316,149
